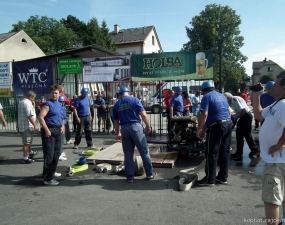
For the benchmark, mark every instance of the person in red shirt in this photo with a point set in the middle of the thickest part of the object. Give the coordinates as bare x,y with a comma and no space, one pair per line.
244,95
166,102
67,104
74,117
61,93
186,104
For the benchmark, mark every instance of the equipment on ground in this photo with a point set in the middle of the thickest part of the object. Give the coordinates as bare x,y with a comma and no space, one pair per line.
182,137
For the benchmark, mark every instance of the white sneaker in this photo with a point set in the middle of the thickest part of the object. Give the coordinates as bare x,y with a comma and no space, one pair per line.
70,142
56,174
52,182
63,154
61,158
75,147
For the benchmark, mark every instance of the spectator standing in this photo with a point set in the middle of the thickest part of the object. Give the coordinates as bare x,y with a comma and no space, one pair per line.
243,129
2,117
83,118
66,104
191,95
61,100
166,102
215,119
272,146
267,98
244,95
74,122
99,103
51,120
127,112
27,125
186,104
196,103
256,122
176,103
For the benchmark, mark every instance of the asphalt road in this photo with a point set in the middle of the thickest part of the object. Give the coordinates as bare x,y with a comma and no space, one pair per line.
90,197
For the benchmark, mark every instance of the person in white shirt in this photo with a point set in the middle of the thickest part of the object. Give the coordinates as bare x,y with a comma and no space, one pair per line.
27,125
243,129
272,146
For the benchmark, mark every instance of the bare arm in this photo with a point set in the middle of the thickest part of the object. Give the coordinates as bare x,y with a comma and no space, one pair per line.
42,115
32,120
201,129
257,109
171,112
3,118
146,121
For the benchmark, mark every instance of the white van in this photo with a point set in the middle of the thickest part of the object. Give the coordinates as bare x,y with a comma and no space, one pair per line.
154,103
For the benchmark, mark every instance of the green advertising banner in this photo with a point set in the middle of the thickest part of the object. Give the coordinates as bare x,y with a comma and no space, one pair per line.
191,65
70,66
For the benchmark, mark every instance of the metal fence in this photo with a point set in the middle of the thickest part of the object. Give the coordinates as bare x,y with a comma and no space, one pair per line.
149,93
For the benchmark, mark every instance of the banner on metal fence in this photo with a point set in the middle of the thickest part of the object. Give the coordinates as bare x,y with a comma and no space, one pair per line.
5,81
70,66
191,65
32,75
106,69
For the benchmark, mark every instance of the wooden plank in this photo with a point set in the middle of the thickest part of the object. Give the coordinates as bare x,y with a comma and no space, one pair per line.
114,155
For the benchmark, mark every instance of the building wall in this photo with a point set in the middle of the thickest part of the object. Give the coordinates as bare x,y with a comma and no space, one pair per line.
264,71
15,49
134,49
149,47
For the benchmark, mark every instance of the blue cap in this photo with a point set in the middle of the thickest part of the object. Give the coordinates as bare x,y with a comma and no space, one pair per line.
269,84
61,99
81,160
84,91
123,89
207,84
178,88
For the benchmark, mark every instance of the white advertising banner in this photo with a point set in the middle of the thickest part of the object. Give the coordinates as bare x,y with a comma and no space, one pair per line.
106,69
5,80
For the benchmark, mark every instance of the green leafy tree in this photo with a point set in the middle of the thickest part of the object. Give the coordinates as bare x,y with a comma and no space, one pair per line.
107,40
49,34
218,26
77,26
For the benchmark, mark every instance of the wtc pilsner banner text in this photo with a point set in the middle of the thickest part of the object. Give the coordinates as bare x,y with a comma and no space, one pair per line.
191,65
32,75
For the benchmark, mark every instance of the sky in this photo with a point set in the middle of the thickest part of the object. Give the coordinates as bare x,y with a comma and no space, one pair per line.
263,21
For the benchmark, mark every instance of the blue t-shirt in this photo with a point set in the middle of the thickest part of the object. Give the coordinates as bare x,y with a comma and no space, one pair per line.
82,106
54,116
266,100
127,110
100,110
177,103
216,104
195,107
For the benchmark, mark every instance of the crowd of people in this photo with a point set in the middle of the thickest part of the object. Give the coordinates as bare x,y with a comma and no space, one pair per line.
218,113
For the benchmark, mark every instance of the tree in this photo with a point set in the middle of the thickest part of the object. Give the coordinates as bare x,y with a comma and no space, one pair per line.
107,40
49,34
218,26
265,78
77,26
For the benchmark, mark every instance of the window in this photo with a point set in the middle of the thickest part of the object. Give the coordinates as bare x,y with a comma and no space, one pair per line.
153,40
269,69
24,40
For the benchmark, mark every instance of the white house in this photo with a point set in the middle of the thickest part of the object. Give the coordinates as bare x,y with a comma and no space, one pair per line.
265,67
141,40
18,46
